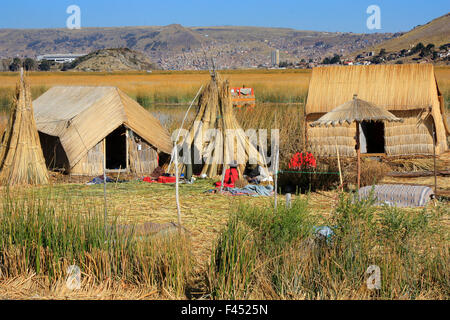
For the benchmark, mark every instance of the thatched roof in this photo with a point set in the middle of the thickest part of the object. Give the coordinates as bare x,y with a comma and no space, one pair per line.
392,87
83,116
355,110
21,157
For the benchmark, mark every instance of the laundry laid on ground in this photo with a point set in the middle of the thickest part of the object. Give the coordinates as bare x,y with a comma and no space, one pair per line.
160,179
99,180
398,194
250,190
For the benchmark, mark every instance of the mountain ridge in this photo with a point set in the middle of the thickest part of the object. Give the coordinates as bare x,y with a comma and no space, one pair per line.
178,47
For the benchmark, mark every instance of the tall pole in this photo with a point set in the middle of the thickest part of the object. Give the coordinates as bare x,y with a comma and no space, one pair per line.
277,152
339,166
104,180
358,154
276,178
223,177
225,141
176,187
182,124
434,154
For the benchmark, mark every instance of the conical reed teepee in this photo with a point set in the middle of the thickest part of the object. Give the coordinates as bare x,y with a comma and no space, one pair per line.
21,157
216,112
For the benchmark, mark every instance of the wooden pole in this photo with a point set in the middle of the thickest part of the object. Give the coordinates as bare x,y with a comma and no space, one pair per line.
288,200
276,178
275,204
358,153
176,187
223,177
225,146
434,156
104,181
339,166
118,175
182,123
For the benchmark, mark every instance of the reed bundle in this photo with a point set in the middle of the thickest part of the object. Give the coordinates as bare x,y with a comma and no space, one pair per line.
21,157
230,144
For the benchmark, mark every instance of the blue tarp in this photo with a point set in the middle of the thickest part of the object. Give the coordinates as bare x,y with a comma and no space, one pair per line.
99,180
251,190
324,232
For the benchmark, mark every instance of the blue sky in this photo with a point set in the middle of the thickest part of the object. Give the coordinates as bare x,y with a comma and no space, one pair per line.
323,15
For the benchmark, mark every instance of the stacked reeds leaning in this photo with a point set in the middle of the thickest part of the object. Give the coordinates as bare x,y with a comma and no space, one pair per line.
216,112
21,157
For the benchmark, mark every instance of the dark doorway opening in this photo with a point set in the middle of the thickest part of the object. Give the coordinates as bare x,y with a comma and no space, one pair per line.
116,149
373,132
54,154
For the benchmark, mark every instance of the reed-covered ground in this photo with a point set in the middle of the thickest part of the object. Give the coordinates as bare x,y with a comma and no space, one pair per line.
234,247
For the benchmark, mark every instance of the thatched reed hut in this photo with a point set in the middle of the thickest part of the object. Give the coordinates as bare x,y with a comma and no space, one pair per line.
78,126
21,158
407,91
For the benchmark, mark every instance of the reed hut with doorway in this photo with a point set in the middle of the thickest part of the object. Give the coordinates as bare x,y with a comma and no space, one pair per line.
410,92
79,126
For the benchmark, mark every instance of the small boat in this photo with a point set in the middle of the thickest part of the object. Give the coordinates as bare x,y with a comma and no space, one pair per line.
243,97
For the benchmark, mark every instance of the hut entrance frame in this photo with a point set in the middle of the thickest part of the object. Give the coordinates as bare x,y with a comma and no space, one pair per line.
372,137
116,150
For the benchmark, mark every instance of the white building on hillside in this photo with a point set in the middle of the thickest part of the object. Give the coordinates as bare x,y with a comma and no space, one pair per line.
60,58
275,57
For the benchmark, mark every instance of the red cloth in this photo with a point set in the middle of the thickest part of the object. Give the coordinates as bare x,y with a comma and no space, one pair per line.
231,175
163,179
218,184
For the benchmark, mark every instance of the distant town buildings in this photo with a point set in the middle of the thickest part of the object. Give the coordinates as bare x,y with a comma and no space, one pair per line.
276,57
60,58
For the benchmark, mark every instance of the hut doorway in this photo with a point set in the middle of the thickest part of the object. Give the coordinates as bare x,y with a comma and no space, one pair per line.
116,150
372,137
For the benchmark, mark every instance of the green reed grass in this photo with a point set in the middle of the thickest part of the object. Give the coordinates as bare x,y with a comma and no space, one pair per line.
264,253
45,233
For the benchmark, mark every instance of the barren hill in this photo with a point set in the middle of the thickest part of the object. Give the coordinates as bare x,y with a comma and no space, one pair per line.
121,59
436,31
425,43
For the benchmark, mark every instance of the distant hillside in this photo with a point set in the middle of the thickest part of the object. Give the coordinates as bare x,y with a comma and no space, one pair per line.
426,43
122,59
177,47
436,32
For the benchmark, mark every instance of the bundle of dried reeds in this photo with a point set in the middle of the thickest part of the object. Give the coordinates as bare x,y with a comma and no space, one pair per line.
21,157
230,144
